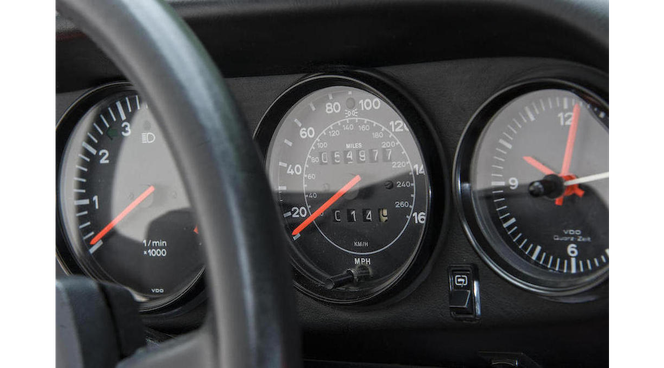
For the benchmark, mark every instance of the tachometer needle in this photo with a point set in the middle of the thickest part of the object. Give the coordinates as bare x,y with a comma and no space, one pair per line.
327,204
122,214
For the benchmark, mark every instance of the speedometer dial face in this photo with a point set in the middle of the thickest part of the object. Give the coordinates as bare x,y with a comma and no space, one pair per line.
538,182
122,205
352,188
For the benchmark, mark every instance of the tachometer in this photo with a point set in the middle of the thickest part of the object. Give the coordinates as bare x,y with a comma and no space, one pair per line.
123,210
533,184
352,185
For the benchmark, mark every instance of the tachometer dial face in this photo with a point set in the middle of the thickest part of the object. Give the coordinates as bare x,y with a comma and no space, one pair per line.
352,188
123,206
537,179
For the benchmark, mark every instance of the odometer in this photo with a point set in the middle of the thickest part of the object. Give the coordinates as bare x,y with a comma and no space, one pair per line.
533,180
352,186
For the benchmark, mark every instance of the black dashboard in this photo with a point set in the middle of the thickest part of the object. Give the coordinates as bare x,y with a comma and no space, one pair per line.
449,60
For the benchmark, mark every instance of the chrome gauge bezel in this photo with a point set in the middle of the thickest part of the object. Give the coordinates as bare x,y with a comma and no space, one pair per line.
506,263
417,266
66,257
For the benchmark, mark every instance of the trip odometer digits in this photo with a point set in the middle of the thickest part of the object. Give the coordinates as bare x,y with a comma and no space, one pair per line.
351,184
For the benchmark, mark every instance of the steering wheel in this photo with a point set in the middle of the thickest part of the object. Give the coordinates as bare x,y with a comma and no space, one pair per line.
251,320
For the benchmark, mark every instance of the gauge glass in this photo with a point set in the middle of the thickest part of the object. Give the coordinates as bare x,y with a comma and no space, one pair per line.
539,175
123,205
352,188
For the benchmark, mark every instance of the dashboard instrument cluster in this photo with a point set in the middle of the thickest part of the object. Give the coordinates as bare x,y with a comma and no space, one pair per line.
359,178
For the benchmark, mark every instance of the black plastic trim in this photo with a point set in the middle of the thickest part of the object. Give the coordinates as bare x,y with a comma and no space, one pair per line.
253,37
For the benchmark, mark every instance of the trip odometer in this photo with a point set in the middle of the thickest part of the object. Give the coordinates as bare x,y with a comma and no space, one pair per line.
533,184
352,186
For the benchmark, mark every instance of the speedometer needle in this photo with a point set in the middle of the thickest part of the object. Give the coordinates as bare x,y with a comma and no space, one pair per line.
327,204
122,214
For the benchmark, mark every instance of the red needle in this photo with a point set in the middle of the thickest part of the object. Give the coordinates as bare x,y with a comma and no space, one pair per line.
571,137
122,214
538,165
569,149
327,204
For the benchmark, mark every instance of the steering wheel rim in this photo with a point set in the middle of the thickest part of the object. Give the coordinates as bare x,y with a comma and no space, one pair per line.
251,320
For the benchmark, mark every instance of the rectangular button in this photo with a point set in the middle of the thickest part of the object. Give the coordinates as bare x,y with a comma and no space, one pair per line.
461,280
464,301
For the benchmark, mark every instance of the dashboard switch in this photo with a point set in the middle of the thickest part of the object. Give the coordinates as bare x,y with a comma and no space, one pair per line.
464,297
461,302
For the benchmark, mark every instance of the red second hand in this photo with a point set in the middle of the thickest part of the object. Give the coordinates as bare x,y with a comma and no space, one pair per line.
327,204
122,215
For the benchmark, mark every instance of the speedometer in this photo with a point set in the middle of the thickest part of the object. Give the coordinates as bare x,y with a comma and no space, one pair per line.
352,184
